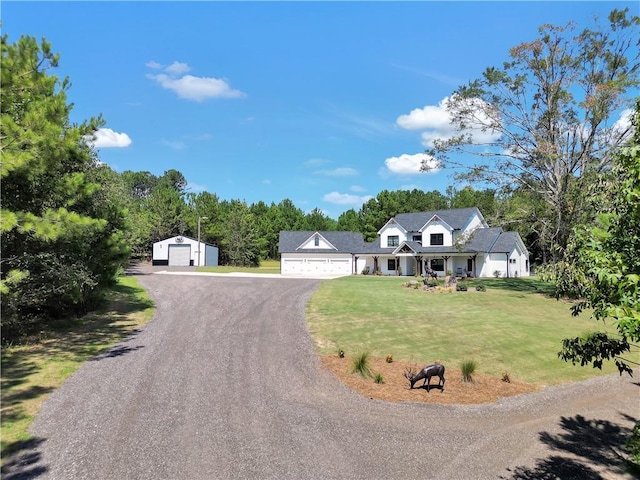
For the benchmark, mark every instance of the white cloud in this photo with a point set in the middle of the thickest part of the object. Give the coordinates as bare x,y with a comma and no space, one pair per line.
407,164
174,144
357,188
191,87
107,138
195,187
197,88
316,162
624,124
338,172
433,117
346,198
435,120
177,68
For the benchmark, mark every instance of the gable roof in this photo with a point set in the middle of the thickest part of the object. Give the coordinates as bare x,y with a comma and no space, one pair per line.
456,218
344,242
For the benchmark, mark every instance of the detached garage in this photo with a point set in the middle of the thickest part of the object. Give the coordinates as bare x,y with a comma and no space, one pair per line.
183,251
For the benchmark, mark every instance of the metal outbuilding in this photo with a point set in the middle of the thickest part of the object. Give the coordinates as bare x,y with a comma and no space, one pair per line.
181,251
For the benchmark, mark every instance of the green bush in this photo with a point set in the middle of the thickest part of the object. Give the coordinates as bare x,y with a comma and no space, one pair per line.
361,365
468,368
481,288
378,378
461,287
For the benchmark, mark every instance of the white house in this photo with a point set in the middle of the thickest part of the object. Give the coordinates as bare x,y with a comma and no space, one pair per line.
458,240
180,251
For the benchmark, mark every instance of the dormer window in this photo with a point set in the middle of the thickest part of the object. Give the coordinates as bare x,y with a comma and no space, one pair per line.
437,239
316,241
417,238
393,241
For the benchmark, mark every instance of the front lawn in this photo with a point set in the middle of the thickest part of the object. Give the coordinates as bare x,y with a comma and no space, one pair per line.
515,326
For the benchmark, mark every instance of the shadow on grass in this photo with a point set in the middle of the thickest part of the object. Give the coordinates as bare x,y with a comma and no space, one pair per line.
90,337
592,445
22,461
522,285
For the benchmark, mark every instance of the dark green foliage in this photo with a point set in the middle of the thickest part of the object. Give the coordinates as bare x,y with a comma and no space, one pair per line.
481,288
461,287
468,368
62,239
601,265
361,365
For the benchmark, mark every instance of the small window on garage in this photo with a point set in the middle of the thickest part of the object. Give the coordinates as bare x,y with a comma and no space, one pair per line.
316,241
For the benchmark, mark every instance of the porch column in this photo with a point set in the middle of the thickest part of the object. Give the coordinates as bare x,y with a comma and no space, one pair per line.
355,265
419,264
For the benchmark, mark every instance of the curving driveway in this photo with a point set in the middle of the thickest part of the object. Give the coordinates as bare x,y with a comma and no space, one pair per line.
224,384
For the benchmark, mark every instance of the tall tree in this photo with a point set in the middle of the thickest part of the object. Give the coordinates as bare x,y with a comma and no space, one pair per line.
62,240
240,241
601,266
544,121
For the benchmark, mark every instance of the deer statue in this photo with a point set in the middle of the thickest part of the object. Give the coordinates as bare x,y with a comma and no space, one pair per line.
434,370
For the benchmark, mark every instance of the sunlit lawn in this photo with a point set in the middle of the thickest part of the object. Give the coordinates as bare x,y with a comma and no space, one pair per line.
513,327
266,266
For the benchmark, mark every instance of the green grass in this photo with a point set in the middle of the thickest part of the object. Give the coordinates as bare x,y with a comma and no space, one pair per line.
514,326
34,369
266,266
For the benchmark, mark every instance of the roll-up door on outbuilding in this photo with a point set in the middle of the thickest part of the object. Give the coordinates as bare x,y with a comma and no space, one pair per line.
179,255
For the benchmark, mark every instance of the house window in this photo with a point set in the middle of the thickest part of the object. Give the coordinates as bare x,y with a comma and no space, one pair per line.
417,238
391,264
437,264
316,242
512,260
393,241
437,239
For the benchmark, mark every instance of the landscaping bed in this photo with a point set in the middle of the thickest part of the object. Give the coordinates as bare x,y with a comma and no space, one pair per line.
395,387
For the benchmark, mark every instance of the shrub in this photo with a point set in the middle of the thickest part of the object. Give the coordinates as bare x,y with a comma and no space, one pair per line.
468,368
389,358
378,378
365,271
361,365
481,288
506,378
461,287
632,447
340,353
497,273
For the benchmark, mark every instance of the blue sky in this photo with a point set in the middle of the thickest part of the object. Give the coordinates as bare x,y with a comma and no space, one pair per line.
324,103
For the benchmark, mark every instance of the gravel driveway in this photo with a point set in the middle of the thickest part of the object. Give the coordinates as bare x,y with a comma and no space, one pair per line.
224,384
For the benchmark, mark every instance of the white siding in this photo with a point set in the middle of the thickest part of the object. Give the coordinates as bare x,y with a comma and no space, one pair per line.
437,227
391,231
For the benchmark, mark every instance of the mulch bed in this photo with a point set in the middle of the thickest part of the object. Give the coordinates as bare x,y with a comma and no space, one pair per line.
483,389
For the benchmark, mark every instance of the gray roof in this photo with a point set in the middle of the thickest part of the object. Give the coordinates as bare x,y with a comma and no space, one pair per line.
345,242
491,239
457,218
505,242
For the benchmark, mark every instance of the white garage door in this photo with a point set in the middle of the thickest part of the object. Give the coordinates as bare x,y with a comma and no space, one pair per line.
179,255
316,266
